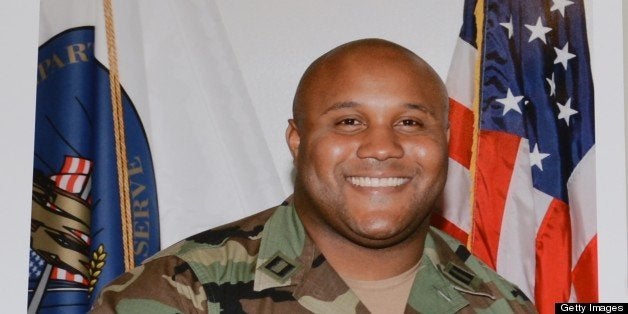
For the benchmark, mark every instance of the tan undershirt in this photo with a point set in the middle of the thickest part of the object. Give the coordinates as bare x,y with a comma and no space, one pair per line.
387,296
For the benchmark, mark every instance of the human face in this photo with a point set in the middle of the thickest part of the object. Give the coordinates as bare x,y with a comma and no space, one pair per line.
371,151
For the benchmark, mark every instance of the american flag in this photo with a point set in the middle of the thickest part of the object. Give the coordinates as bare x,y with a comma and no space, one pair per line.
521,189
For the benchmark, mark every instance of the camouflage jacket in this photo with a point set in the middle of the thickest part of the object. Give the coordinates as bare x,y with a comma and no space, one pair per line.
267,264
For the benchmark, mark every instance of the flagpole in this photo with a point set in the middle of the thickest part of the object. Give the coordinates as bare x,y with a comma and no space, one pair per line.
120,138
38,294
477,85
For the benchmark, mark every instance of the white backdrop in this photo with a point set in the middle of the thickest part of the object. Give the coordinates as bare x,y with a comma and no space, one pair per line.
18,42
273,42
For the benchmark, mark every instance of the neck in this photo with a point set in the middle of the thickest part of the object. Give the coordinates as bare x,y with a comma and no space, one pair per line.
359,262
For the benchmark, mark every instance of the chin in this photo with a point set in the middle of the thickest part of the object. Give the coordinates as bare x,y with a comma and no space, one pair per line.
379,230
374,242
382,232
379,235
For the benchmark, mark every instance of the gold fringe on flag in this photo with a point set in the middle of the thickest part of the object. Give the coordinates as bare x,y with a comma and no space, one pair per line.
477,87
120,138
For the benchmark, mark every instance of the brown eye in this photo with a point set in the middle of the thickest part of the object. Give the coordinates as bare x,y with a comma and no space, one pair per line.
349,122
409,122
349,125
410,125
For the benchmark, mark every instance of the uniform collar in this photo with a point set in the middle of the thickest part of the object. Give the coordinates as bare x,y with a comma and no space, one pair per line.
283,241
288,257
431,291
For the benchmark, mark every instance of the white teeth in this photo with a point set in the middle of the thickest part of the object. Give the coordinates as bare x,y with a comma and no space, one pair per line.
377,182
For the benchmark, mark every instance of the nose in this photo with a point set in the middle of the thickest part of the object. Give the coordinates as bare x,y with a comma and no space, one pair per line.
380,143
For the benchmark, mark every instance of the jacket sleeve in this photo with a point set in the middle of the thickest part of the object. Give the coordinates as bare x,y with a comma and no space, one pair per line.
163,285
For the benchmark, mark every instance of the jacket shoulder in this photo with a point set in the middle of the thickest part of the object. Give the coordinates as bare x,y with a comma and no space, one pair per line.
223,254
165,285
482,286
176,278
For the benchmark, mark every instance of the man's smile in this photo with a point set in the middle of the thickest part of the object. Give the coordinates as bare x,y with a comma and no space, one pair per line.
377,182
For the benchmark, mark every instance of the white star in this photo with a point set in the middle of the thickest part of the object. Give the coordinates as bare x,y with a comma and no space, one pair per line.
508,26
560,6
563,55
552,85
537,157
510,102
566,111
538,31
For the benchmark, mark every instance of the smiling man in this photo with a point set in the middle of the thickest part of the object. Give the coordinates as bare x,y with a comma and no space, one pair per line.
369,142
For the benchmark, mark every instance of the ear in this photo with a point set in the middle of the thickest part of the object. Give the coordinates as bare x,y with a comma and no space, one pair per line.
447,127
293,138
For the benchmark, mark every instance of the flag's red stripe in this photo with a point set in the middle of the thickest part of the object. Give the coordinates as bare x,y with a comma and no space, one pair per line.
58,180
450,228
585,274
71,184
79,165
67,276
83,166
553,254
67,164
496,160
461,133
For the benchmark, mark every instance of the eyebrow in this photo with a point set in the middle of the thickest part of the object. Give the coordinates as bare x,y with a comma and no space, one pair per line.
421,107
353,104
342,105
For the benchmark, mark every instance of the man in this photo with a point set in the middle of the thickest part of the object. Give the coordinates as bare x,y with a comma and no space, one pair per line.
369,141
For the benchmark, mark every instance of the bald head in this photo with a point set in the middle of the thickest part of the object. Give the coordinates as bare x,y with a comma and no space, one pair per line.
366,55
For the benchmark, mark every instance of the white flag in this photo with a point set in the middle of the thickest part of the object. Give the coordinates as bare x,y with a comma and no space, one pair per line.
180,135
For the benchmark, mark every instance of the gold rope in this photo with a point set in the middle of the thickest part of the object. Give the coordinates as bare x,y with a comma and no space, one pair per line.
120,138
477,87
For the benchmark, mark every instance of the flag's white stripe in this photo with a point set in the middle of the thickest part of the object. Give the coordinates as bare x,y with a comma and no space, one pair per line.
461,73
78,184
582,195
61,273
456,196
74,165
516,251
63,183
572,295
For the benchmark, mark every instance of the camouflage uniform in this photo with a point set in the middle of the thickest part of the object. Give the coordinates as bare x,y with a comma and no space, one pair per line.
267,264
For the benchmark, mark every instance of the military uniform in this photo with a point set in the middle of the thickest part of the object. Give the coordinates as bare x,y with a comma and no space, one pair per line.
267,264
